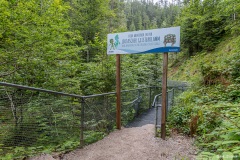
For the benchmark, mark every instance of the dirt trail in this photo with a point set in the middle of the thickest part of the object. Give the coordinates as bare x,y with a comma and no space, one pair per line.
137,142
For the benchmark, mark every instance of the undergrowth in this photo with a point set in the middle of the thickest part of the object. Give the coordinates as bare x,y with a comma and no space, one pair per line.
210,109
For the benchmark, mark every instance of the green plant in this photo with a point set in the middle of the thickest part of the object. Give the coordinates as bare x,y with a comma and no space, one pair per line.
215,116
93,136
68,145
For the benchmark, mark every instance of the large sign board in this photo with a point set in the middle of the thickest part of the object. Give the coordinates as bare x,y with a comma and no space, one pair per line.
145,41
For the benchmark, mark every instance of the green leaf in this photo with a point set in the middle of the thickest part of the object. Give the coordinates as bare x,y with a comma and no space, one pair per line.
215,157
227,155
230,142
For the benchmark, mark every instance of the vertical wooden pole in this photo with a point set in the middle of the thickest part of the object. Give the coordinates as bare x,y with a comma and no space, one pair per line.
164,95
118,89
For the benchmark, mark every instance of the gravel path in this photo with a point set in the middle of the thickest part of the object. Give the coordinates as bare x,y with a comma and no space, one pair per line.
136,142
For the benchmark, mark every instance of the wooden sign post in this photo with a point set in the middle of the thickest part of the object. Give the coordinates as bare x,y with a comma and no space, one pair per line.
164,95
118,91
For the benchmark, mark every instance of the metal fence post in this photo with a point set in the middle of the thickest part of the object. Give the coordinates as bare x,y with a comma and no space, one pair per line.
82,123
107,108
173,96
167,102
150,97
156,118
138,101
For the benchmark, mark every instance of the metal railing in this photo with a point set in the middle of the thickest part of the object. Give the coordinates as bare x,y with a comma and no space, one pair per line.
157,103
34,120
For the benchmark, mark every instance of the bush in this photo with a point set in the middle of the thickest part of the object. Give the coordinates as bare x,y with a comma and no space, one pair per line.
212,116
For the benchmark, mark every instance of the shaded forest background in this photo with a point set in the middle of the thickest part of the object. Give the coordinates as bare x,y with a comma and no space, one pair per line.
61,45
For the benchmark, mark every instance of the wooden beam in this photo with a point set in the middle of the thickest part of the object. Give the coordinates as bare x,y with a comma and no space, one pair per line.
118,89
164,95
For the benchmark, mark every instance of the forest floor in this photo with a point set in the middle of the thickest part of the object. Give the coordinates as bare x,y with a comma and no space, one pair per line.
136,142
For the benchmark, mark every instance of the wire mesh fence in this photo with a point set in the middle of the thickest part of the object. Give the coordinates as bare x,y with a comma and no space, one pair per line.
98,117
33,121
36,120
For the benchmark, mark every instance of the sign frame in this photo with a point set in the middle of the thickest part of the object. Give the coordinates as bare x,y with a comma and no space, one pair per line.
144,41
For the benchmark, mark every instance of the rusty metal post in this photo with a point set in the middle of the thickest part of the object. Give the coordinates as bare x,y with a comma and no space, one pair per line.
118,89
164,95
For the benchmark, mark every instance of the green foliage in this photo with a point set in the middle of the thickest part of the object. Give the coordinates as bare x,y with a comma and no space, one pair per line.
188,104
212,75
180,118
212,103
230,8
217,124
146,70
147,15
93,136
224,138
36,42
68,145
128,114
204,23
234,67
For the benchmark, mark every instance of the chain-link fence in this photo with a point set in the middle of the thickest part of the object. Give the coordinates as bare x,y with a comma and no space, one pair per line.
35,120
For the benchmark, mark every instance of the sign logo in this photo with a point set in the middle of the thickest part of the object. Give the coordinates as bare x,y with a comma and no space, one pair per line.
169,38
114,43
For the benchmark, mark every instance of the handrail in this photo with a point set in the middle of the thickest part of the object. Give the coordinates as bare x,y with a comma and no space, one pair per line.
135,100
103,94
39,89
66,94
154,100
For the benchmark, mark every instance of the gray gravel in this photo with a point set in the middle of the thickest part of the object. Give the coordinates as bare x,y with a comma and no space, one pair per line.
135,142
